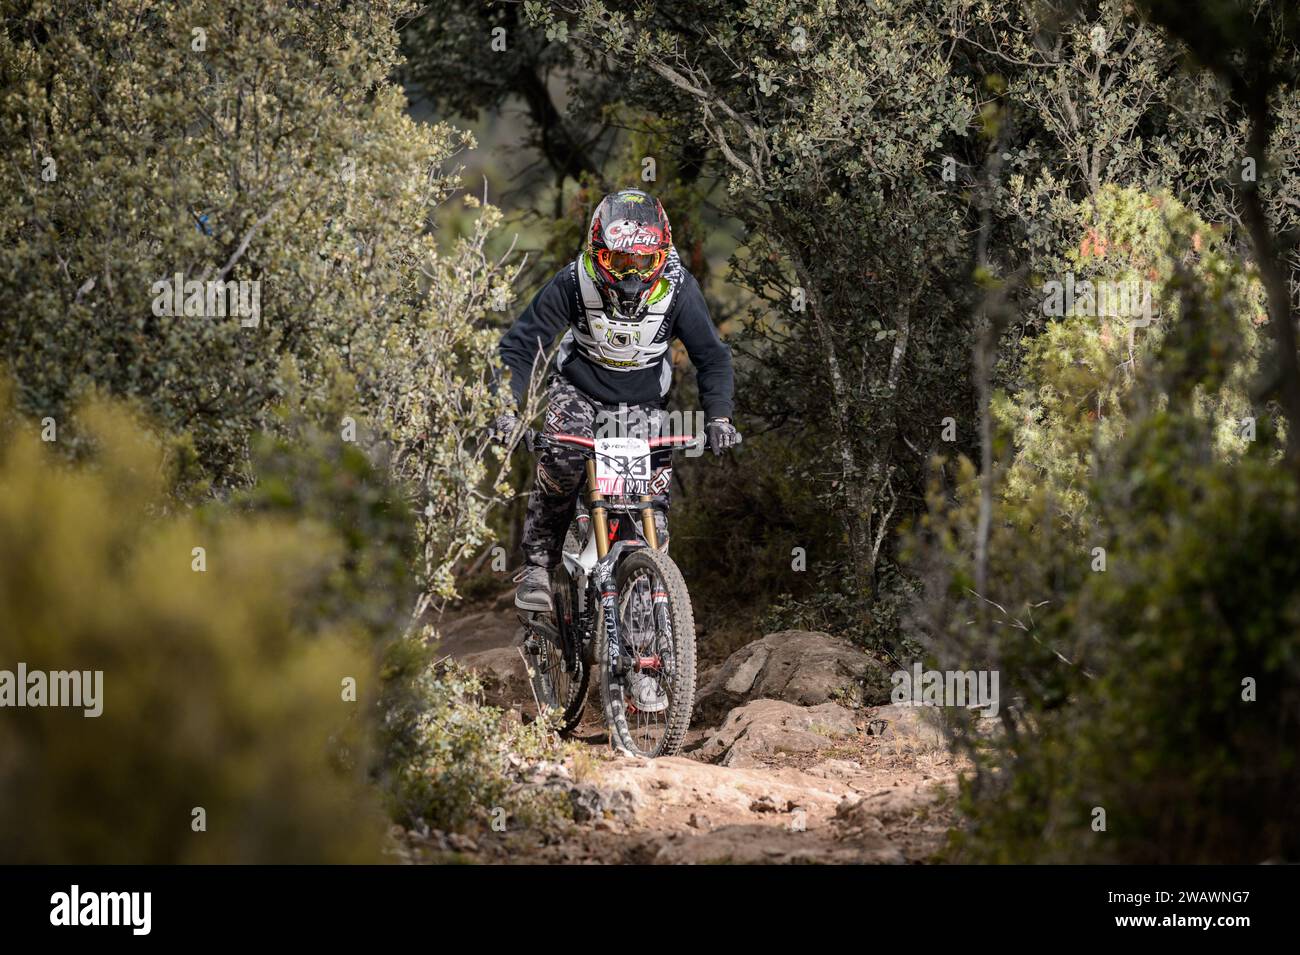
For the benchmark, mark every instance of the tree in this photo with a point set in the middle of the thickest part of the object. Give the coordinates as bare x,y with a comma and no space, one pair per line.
265,145
1261,64
468,56
851,232
219,142
1132,511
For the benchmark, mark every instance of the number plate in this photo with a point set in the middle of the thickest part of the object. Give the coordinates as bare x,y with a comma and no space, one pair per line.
623,466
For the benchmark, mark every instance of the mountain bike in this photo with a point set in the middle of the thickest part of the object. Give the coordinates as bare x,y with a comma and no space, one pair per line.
621,608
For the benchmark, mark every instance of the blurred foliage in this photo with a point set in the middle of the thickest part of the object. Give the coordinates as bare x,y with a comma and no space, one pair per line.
1075,376
306,470
455,762
223,688
443,760
218,692
1122,682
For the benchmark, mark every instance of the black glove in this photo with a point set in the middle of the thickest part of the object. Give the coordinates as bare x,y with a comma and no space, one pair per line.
507,428
722,434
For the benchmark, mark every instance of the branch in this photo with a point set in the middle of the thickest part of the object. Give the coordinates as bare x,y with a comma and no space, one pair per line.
243,243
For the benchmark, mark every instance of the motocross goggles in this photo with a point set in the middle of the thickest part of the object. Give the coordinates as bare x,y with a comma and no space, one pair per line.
622,264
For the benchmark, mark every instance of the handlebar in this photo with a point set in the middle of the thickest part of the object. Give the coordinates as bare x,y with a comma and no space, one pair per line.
534,439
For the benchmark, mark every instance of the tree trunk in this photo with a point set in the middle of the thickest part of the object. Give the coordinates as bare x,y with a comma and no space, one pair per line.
858,496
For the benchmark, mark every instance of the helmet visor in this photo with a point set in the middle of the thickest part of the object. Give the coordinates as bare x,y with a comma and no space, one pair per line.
622,264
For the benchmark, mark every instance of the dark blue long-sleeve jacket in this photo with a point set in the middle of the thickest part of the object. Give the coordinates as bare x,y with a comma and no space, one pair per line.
615,362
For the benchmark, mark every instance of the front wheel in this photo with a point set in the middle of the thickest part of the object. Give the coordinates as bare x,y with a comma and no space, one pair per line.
648,706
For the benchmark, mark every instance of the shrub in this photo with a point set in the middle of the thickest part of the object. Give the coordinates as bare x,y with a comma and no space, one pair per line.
214,694
223,688
438,757
1122,687
237,140
458,763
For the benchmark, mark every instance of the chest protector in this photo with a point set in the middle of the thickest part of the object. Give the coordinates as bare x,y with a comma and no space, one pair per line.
613,343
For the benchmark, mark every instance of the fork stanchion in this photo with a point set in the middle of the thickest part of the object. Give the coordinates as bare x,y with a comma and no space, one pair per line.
596,505
648,521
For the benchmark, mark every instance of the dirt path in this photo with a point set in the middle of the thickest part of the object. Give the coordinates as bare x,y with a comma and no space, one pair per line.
880,789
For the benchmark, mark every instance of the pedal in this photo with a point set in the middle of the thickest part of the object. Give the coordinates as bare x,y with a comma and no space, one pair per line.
538,625
533,618
544,626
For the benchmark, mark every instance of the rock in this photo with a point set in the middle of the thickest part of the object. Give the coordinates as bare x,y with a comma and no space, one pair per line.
502,674
700,821
917,727
885,806
764,803
803,667
461,843
770,845
705,676
718,790
837,768
765,728
591,803
542,772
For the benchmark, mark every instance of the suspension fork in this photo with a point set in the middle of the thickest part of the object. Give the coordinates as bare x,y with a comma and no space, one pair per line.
596,507
659,597
599,514
602,573
648,521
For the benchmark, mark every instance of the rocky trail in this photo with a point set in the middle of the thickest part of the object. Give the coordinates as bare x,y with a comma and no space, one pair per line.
787,762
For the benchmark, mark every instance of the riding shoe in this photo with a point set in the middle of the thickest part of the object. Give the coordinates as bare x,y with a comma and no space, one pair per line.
534,591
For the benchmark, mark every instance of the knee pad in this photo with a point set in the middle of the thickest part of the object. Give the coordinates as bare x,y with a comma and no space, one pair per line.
547,483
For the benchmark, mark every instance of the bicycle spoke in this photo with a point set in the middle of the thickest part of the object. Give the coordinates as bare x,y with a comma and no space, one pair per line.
643,639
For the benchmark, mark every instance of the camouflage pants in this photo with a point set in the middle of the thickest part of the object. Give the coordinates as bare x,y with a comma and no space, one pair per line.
561,472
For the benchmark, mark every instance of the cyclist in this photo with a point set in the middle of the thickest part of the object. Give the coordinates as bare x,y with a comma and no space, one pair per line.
621,304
